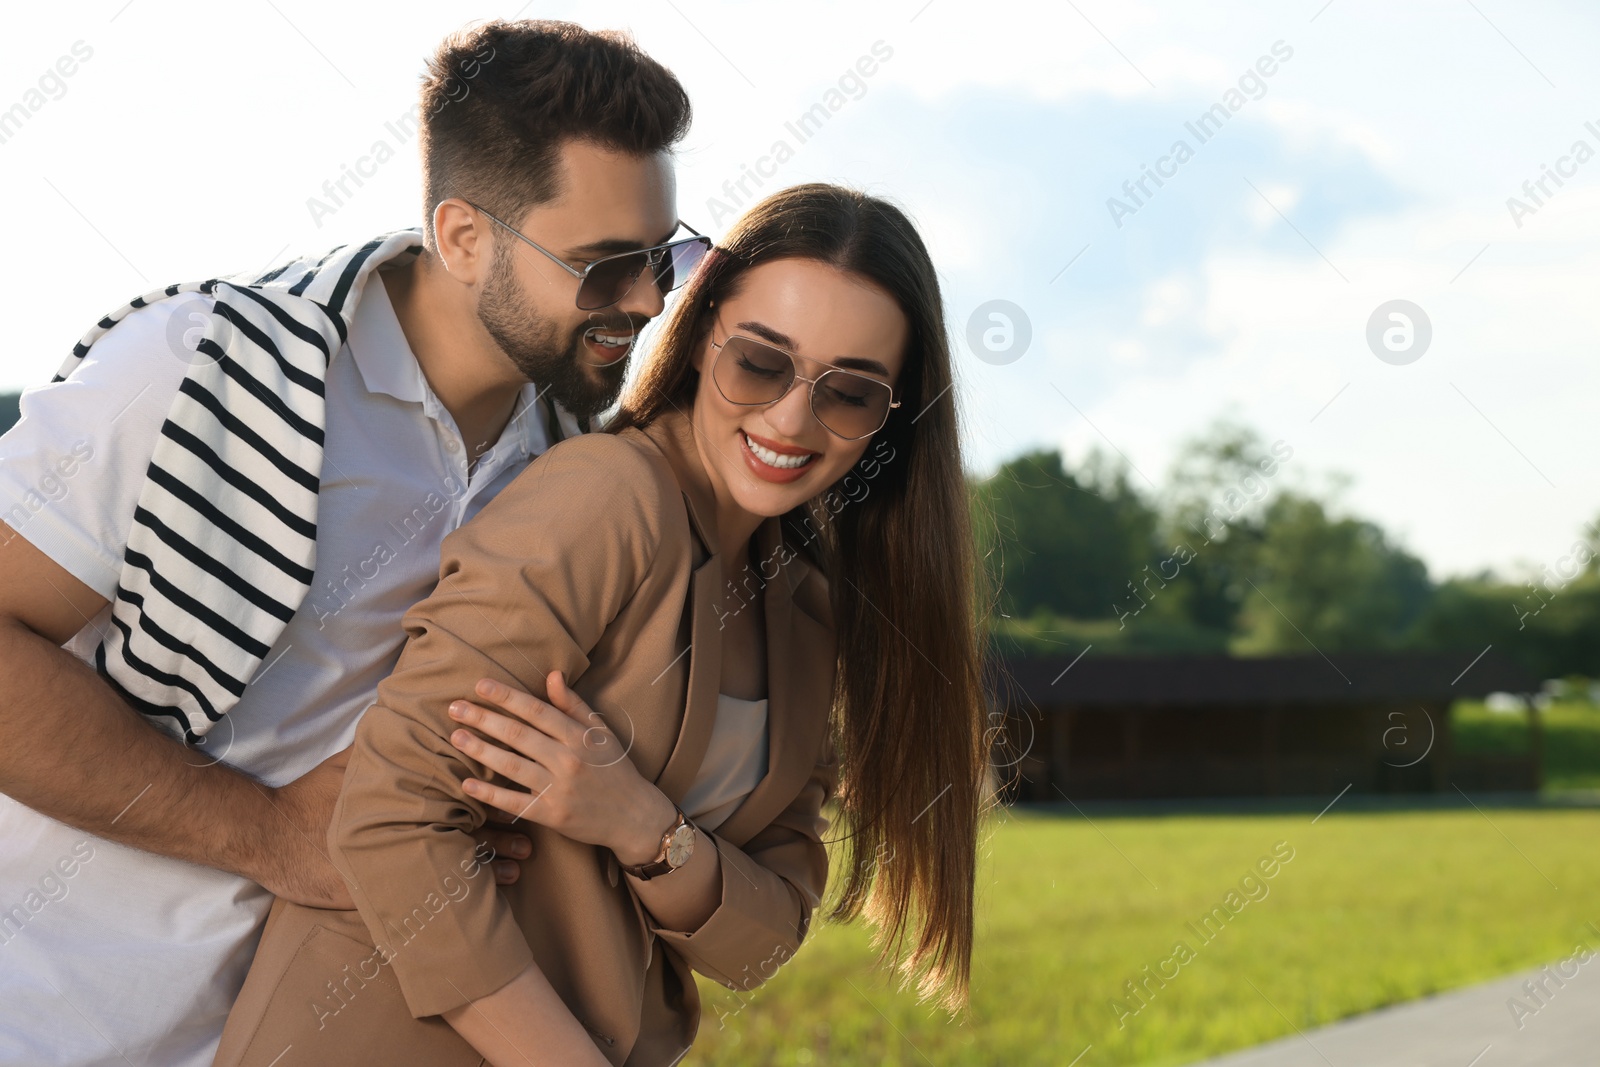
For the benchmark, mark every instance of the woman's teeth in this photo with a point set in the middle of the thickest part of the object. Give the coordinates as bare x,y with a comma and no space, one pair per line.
781,460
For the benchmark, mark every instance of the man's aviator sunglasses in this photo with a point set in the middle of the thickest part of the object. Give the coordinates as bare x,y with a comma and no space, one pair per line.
606,281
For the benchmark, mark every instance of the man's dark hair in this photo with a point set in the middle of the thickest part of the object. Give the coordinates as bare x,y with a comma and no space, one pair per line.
499,100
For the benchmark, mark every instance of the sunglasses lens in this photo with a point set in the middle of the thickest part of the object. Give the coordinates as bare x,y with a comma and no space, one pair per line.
749,372
679,261
609,280
851,405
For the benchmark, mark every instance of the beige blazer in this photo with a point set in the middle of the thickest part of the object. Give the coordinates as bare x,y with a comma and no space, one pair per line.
601,559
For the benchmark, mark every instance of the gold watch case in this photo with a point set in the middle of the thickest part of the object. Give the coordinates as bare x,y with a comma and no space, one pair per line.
680,842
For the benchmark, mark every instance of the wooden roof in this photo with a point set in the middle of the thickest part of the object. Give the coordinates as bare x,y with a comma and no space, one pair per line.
1200,681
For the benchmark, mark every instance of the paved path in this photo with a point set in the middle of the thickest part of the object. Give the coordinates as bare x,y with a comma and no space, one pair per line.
1470,1027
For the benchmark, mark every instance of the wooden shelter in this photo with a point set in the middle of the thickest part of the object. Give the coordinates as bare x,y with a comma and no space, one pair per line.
1215,726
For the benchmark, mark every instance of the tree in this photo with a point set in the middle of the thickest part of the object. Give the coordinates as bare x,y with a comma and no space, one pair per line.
1333,583
1063,541
1549,624
1216,492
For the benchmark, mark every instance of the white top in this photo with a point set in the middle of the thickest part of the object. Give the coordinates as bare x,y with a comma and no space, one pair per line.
736,760
132,958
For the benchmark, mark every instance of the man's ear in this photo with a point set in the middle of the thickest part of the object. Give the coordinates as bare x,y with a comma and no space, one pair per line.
463,244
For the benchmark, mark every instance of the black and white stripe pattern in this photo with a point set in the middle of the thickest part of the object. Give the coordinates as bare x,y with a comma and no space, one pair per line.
224,538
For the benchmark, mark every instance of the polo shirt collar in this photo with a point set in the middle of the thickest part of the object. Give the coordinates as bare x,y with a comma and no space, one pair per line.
387,365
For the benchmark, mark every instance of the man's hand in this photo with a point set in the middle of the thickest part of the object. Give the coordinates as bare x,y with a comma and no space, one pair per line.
296,865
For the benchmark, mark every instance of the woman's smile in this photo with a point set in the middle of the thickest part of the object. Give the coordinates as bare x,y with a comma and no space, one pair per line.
772,461
778,453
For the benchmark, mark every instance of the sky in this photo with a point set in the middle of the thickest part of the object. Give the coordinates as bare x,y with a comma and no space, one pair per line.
1357,154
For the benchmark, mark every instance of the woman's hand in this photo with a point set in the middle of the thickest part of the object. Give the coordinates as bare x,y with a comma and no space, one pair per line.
579,779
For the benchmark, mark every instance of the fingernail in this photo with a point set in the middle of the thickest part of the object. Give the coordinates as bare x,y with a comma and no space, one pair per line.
489,687
460,738
471,785
458,710
505,868
522,848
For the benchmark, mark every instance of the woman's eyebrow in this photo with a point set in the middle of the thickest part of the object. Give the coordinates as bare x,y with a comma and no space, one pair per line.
767,333
783,340
870,365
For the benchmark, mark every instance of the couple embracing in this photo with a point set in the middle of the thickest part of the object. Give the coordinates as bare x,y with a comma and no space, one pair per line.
389,710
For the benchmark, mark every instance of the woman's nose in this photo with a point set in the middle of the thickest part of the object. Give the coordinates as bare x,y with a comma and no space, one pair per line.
790,415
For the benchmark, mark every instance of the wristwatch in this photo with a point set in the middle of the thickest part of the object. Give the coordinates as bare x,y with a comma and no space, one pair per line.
677,843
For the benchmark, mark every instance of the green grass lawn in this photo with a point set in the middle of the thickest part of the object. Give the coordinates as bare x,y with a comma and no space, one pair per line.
1373,908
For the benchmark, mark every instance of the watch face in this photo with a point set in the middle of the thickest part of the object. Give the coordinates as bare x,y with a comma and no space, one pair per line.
680,846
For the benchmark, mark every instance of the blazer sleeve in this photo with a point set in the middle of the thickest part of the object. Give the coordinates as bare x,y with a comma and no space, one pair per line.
527,587
769,889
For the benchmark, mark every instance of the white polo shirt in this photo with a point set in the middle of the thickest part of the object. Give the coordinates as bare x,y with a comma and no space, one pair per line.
112,956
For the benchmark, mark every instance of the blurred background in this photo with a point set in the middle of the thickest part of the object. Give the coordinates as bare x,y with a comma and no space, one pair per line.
1276,342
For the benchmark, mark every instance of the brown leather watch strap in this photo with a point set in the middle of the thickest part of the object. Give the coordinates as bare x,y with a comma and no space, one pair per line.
661,864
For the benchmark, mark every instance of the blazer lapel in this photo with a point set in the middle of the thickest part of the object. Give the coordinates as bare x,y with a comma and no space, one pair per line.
800,652
673,433
705,681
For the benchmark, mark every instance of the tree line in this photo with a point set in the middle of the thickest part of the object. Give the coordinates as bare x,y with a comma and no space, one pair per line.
1233,556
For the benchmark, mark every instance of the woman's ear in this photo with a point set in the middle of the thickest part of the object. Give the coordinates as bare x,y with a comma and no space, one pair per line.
702,352
702,337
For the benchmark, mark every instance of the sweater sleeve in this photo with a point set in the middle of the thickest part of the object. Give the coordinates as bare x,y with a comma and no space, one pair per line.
72,468
527,587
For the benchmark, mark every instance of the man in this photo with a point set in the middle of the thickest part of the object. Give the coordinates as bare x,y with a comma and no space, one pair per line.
221,508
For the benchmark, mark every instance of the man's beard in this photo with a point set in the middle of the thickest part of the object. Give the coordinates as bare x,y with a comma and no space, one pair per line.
534,346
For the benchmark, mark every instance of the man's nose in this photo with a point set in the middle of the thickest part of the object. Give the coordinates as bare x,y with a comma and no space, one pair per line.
645,299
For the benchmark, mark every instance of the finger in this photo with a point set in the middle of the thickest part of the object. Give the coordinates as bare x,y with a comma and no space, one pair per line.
512,816
514,803
539,714
506,842
506,847
562,696
568,701
525,772
517,736
525,706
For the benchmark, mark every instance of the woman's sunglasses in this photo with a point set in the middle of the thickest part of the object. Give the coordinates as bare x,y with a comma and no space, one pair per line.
606,281
849,405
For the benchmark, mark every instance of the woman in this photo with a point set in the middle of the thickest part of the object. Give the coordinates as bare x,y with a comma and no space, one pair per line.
759,587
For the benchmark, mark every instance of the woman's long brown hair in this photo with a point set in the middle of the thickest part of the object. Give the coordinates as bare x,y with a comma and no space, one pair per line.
909,707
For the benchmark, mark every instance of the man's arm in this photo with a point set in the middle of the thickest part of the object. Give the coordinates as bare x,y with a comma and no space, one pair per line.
71,749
